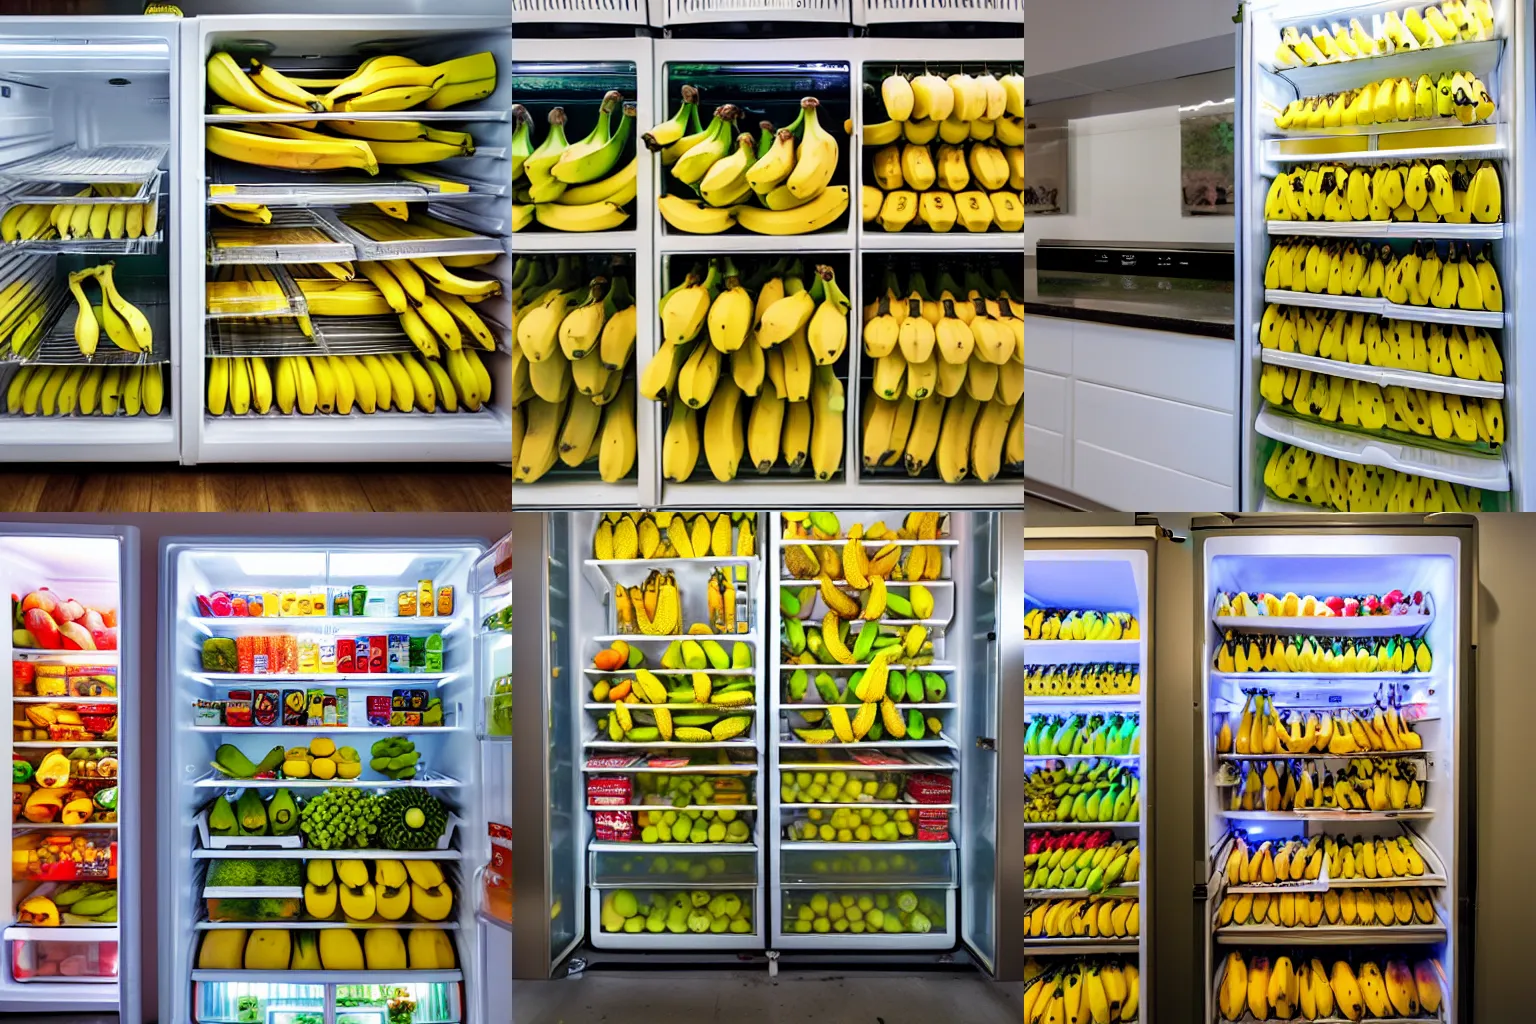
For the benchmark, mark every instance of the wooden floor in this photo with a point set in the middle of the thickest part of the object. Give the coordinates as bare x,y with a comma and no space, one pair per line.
308,488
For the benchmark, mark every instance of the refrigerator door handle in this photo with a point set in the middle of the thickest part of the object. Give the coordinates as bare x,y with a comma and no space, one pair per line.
986,743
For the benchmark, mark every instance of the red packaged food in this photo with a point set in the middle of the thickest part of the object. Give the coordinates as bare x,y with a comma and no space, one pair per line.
23,679
928,788
265,707
614,826
346,654
237,605
378,654
245,654
237,709
285,653
609,790
378,710
933,826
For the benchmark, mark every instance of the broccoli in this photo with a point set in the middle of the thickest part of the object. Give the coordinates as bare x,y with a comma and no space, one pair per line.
232,873
269,909
279,872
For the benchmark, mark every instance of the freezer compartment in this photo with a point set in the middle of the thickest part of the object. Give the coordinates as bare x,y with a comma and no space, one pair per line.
47,960
655,919
878,918
238,1002
710,869
882,864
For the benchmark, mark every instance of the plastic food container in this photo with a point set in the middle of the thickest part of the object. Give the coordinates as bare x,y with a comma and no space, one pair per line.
63,857
52,961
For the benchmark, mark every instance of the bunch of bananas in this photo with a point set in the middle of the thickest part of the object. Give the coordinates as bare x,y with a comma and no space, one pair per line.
1410,412
1071,735
1094,917
574,341
626,535
126,325
1461,94
432,302
912,182
1300,859
1261,730
1366,784
1441,24
291,147
572,186
1382,908
388,82
40,221
1105,791
1296,474
1457,192
782,338
1270,652
948,380
1367,339
1419,277
1076,624
86,391
1068,680
1355,988
1103,991
342,384
24,305
777,182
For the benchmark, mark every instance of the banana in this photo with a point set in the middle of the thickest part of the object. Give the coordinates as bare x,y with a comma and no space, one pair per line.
596,156
293,154
229,82
821,211
814,164
691,216
671,130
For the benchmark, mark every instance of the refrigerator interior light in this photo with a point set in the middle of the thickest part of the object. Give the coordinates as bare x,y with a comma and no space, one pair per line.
346,564
282,563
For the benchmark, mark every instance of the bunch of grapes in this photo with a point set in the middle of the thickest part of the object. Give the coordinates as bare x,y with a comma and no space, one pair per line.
339,818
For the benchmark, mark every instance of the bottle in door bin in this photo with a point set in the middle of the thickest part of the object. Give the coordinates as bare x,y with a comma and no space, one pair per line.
424,597
445,601
378,654
359,599
346,654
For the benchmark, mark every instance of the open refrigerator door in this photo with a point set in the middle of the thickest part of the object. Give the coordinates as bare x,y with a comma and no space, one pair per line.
87,245
321,701
74,762
1087,818
352,237
492,581
1380,163
1333,687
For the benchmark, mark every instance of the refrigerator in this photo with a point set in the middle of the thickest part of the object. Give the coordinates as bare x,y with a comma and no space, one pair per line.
89,101
1351,596
1088,819
1490,469
641,822
71,936
492,580
310,689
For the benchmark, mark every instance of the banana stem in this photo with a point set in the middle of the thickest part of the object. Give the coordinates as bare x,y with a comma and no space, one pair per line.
619,294
765,140
712,280
833,292
732,275
920,285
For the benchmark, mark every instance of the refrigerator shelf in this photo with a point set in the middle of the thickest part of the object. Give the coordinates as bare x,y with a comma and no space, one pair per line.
937,542
1489,474
795,581
496,922
736,744
47,744
1072,826
59,193
39,654
1041,651
58,347
300,926
740,709
427,780
937,765
333,251
1087,701
369,248
1125,889
337,730
237,679
63,933
62,700
785,744
873,805
1384,229
1288,678
1384,376
312,853
126,164
668,671
1392,310
630,638
689,769
902,706
140,246
33,826
328,977
391,621
614,846
348,115
1248,1018
668,807
1331,934
1324,755
1330,814
1479,57
1063,947
814,845
834,666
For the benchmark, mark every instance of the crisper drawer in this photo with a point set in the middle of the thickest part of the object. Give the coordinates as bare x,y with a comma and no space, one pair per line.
236,1002
618,868
54,961
883,864
871,918
676,918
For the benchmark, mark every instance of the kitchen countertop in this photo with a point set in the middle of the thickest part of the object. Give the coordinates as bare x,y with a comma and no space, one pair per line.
1161,304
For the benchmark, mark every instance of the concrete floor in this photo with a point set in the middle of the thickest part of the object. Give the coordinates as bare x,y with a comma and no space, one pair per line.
751,997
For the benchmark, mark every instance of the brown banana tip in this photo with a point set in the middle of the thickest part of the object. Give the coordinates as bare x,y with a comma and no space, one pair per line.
557,116
613,96
766,126
785,135
630,109
810,103
650,143
690,94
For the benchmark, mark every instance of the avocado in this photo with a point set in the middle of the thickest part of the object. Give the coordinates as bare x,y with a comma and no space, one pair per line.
253,816
915,726
282,813
221,818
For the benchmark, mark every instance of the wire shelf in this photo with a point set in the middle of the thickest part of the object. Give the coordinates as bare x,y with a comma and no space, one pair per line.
60,192
331,251
58,346
296,303
71,163
232,182
396,249
265,336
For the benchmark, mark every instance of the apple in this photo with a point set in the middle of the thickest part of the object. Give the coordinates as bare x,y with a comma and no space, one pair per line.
105,637
76,637
40,598
92,620
41,625
70,611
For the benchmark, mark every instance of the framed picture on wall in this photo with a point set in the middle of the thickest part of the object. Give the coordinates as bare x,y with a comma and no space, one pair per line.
1206,145
1045,167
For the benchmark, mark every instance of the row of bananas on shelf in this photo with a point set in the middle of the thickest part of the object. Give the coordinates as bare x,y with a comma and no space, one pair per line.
352,145
86,391
1104,791
1093,917
573,186
1075,735
1365,784
1302,859
1368,339
774,182
1417,277
341,385
380,83
1392,410
973,210
1079,624
628,535
1270,652
1291,605
126,325
1381,908
1079,680
1296,474
1102,990
1308,990
959,98
948,382
25,222
1460,94
573,398
1262,730
854,564
433,306
24,306
1441,24
1092,860
1427,192
951,167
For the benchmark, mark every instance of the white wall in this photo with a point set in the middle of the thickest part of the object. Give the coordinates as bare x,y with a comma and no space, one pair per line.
1069,35
1123,184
